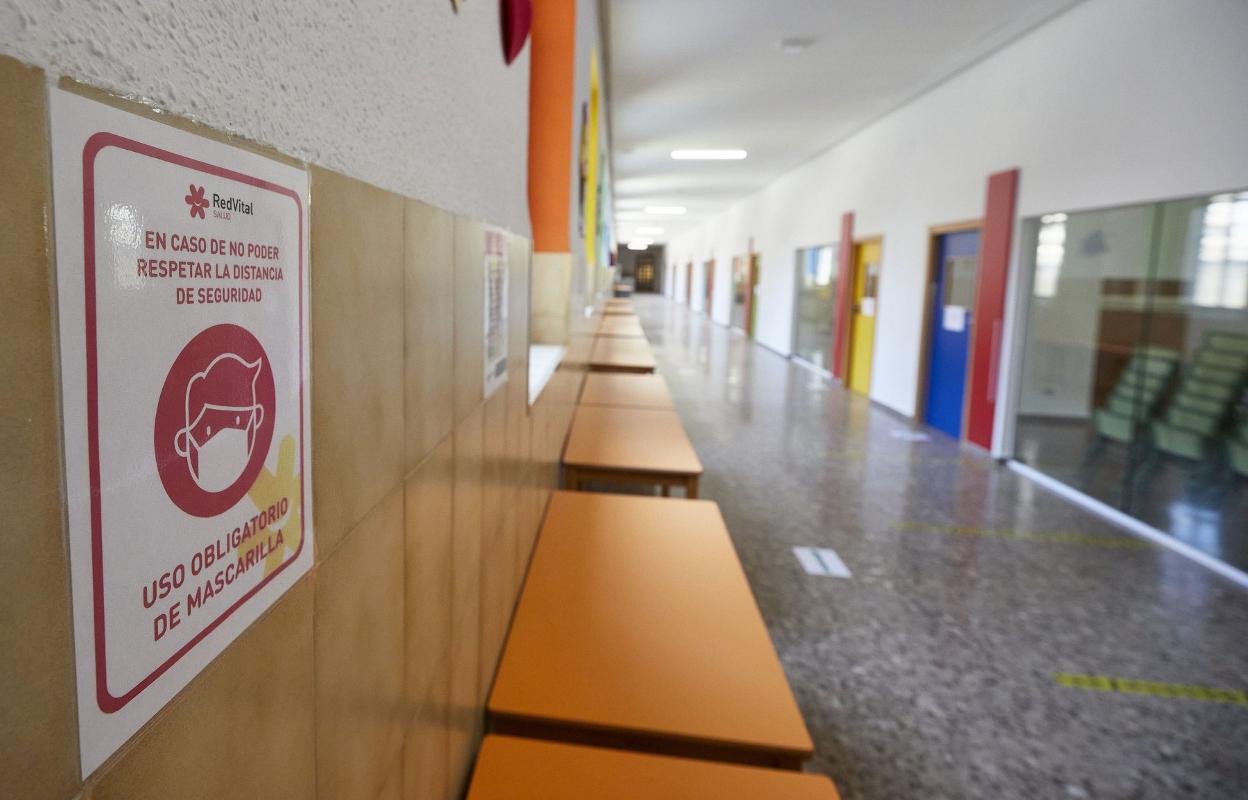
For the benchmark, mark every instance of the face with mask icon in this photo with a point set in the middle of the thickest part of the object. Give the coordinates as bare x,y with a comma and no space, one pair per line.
222,415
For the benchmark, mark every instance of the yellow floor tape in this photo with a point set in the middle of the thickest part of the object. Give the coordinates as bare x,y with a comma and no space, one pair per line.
1102,683
913,458
1032,536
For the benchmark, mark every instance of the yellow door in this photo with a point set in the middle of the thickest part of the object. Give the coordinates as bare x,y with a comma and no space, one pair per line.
862,320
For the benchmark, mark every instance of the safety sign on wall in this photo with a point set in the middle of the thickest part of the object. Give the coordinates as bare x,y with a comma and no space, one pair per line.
495,310
183,298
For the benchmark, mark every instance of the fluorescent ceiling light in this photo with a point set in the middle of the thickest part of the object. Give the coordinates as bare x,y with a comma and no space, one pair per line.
669,210
650,230
638,244
794,45
708,155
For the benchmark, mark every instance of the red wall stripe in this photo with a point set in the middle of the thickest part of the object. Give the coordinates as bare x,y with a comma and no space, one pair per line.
989,315
845,274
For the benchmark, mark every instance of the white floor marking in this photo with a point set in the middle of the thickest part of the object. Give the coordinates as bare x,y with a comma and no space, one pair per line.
911,436
821,561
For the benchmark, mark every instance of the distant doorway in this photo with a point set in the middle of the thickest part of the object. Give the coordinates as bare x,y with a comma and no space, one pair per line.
751,325
646,273
863,313
689,284
708,271
954,270
814,306
736,318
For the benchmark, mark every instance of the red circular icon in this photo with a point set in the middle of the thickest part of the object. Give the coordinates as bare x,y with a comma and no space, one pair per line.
214,420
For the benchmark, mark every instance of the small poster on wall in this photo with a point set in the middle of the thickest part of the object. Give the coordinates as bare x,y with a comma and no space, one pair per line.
183,295
495,310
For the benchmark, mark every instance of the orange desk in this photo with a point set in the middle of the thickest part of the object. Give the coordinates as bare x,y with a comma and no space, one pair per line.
522,769
625,389
647,446
620,311
615,354
637,630
621,326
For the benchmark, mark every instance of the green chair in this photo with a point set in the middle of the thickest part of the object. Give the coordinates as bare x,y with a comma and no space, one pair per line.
1208,392
1135,395
1237,446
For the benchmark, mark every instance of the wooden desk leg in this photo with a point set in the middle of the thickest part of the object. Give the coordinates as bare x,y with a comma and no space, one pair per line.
691,487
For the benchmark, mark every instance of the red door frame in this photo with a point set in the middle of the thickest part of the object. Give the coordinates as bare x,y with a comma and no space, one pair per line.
709,268
844,282
989,314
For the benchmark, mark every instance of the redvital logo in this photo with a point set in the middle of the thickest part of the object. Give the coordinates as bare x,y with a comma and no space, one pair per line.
222,207
231,204
196,201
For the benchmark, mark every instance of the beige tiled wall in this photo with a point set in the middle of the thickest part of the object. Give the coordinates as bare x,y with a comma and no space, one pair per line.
38,743
368,679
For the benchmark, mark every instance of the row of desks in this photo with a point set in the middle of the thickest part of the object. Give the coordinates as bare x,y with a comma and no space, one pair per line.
626,429
638,664
524,769
637,629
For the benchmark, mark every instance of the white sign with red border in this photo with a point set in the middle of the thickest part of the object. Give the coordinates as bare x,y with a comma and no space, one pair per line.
183,303
496,298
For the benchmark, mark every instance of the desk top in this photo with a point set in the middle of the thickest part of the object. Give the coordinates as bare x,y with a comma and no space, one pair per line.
633,390
630,439
620,326
636,618
509,768
611,352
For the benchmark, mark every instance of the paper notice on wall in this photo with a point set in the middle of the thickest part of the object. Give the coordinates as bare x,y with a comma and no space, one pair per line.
495,310
954,319
183,294
867,307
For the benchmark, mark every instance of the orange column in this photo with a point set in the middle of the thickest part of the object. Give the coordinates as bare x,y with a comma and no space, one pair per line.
552,69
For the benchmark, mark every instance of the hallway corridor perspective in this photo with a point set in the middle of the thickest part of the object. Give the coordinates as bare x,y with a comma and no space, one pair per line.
943,667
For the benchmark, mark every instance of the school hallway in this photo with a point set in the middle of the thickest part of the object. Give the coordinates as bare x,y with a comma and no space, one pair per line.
624,400
933,671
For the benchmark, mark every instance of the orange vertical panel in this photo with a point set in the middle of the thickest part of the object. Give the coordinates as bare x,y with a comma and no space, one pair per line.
551,97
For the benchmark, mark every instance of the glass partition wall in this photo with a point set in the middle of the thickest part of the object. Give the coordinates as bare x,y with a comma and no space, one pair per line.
814,307
1135,362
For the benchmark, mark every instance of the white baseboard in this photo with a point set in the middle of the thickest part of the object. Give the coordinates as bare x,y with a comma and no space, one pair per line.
1131,524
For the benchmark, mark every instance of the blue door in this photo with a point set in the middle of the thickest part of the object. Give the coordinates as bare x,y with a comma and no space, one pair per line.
957,256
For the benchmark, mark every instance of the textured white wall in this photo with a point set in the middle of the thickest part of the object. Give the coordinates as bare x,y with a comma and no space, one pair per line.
1115,101
403,94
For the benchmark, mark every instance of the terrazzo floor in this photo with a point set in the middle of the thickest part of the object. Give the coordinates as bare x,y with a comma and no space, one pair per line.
933,671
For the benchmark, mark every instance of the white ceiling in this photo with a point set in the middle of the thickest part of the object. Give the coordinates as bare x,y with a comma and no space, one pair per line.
711,74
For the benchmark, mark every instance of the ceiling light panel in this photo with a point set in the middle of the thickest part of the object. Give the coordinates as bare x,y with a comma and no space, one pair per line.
708,155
